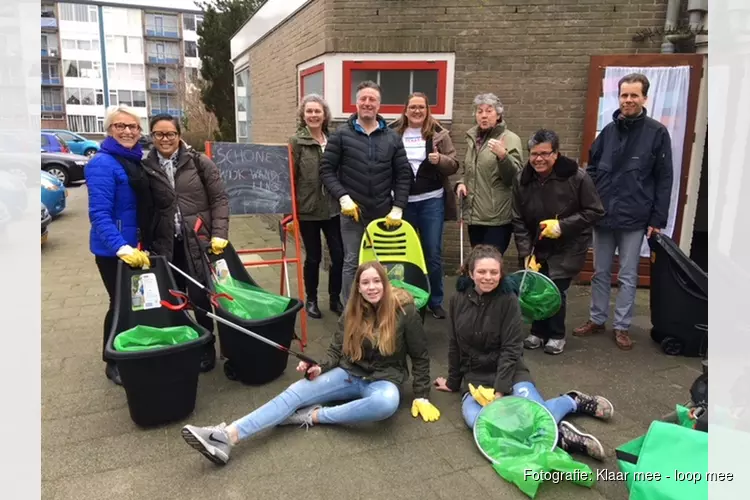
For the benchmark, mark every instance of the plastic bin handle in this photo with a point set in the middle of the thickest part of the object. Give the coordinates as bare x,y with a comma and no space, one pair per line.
184,302
215,296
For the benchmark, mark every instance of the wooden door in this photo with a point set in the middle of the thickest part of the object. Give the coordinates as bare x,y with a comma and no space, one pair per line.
594,95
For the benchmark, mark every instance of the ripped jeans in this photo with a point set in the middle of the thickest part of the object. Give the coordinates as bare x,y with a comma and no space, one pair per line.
371,401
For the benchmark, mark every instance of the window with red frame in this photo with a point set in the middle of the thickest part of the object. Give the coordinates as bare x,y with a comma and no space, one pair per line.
311,81
397,80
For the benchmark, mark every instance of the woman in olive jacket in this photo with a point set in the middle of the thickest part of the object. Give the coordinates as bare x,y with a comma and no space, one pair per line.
317,210
486,349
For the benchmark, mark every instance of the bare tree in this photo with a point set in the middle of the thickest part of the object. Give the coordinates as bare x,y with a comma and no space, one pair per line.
198,123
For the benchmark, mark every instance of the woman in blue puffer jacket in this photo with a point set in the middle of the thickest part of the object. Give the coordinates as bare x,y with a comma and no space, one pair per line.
118,193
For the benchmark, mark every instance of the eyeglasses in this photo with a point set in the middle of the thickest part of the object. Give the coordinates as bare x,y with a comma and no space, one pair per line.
543,154
417,108
164,135
122,126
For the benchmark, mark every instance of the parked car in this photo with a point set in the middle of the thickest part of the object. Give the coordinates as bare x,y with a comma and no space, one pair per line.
66,167
77,143
46,219
54,194
53,143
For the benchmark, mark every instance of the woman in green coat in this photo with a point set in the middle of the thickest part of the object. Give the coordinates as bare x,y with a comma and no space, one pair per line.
493,158
316,209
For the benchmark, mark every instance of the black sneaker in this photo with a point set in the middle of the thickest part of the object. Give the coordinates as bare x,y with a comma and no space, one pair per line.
438,312
208,359
594,406
311,307
113,373
573,440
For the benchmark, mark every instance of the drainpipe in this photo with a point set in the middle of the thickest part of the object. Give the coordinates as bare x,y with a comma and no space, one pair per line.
697,9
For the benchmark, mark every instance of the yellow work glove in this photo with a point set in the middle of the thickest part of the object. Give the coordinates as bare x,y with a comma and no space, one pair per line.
133,257
349,208
428,411
218,245
531,263
393,219
482,395
550,229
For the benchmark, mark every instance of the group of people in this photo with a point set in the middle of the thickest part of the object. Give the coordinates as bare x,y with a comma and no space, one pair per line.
368,169
143,206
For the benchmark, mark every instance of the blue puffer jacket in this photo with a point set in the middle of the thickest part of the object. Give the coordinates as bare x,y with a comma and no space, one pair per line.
112,206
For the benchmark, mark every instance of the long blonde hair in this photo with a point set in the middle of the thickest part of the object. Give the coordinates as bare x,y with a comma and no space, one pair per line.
362,319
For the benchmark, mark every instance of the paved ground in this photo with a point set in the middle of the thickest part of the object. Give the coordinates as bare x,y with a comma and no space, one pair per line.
91,449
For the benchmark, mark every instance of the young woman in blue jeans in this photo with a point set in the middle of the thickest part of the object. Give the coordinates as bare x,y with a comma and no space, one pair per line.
486,348
366,364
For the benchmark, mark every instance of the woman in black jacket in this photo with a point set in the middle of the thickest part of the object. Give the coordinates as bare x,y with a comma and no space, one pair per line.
486,349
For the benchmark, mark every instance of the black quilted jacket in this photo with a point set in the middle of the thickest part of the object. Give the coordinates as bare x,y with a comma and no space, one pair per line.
373,170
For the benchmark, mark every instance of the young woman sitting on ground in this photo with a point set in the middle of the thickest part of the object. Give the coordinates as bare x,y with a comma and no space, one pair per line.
366,364
486,349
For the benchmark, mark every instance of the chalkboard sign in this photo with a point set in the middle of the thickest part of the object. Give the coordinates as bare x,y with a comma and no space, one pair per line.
256,177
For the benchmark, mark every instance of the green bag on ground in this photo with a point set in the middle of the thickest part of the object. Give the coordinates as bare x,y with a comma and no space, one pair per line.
250,302
519,437
420,296
650,462
142,337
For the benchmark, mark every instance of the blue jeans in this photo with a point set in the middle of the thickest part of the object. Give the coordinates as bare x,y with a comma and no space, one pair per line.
372,401
427,217
558,407
628,245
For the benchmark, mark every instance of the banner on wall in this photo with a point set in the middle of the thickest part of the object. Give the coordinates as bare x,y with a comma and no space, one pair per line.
668,103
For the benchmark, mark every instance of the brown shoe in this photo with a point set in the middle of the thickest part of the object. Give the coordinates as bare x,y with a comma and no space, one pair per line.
588,328
622,339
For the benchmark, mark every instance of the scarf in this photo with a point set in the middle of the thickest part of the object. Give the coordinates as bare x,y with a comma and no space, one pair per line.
169,165
130,159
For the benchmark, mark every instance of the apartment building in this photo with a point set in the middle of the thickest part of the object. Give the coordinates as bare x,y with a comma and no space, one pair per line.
96,54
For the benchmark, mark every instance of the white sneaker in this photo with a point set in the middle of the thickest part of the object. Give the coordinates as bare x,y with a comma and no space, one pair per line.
554,346
532,342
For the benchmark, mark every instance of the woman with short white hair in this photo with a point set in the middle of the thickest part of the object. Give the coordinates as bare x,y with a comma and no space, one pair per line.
493,158
118,192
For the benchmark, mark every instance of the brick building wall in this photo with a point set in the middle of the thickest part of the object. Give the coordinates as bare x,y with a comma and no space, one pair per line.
533,55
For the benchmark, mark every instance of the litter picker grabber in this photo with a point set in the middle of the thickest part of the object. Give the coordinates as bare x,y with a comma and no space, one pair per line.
213,297
461,226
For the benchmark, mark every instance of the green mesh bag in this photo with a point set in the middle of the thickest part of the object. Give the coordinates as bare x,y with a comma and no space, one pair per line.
540,298
420,296
519,437
250,302
142,337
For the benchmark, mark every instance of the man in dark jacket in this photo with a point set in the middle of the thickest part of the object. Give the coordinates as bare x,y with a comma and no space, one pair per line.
631,165
555,206
365,167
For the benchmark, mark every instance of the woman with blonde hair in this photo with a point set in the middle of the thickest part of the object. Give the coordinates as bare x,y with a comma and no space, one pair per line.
119,207
366,364
432,156
317,210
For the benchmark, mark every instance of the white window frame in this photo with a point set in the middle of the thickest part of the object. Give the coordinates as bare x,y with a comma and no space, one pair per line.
333,81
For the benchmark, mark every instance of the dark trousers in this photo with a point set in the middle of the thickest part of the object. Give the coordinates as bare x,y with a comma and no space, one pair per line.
196,295
554,327
310,232
108,271
497,236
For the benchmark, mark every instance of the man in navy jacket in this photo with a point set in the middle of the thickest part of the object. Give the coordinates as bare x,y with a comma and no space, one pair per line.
631,165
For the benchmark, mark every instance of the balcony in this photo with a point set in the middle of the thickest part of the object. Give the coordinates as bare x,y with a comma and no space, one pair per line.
168,32
48,23
167,111
51,53
51,80
164,86
163,59
52,108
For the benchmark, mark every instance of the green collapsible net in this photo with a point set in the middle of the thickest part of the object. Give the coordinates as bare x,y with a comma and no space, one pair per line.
250,302
519,437
142,337
540,298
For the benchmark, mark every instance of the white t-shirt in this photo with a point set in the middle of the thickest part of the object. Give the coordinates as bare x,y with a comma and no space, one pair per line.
416,152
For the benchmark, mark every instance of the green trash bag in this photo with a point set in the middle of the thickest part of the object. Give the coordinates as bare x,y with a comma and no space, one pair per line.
420,296
540,298
519,436
142,337
648,463
250,302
